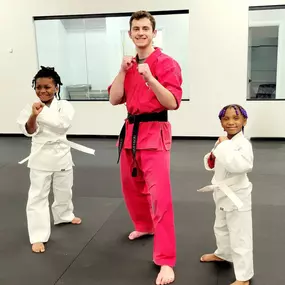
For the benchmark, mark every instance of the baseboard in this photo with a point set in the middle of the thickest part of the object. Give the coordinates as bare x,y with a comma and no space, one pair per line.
116,136
93,136
11,135
267,139
174,137
193,138
69,136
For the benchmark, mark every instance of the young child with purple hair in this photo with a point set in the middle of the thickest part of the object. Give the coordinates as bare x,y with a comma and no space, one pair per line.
231,159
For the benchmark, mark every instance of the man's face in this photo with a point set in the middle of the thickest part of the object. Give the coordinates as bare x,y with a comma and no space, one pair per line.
142,33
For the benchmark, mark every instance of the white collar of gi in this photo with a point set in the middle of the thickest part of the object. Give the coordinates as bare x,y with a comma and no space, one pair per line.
238,135
53,104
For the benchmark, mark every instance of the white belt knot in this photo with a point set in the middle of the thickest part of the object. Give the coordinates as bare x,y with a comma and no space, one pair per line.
224,187
65,141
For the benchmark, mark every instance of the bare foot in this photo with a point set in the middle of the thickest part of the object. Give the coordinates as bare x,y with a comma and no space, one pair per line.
76,221
241,283
135,234
38,247
210,258
165,276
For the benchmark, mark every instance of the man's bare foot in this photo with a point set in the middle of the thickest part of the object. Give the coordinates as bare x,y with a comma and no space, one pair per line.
165,276
210,258
135,234
76,221
241,283
38,247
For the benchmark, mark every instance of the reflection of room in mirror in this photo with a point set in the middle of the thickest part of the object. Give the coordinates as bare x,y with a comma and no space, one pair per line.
87,52
262,61
77,54
266,53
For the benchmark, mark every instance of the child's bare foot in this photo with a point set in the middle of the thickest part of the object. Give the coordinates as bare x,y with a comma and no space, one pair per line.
165,276
210,258
135,234
76,221
241,283
38,247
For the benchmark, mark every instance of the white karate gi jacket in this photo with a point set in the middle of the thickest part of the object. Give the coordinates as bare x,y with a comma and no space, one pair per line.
234,159
49,152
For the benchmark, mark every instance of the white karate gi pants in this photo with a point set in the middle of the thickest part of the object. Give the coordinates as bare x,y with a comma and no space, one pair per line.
233,231
38,215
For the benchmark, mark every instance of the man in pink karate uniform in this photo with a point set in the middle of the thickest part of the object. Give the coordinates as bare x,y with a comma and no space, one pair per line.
150,85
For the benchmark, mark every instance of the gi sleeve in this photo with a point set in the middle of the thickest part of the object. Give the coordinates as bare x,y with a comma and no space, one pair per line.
23,119
59,121
209,162
169,75
209,159
235,159
123,99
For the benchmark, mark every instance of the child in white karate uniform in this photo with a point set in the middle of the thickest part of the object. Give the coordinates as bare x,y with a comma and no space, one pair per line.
47,122
231,160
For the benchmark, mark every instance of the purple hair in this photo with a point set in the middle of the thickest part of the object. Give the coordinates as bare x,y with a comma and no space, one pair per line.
236,107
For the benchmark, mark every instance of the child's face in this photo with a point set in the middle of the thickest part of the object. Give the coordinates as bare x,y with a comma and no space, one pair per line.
46,89
233,122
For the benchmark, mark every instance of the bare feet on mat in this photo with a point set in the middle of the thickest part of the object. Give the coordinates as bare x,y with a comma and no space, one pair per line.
210,258
76,221
135,234
38,247
241,283
165,276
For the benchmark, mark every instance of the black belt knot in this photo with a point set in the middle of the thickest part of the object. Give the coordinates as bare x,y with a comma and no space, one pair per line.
136,120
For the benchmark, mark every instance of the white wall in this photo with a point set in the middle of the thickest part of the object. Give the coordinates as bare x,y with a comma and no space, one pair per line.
218,42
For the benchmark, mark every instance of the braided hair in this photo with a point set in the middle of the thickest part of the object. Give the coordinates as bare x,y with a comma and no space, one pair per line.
237,108
48,72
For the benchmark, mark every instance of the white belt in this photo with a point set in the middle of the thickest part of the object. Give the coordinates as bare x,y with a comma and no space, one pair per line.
224,187
65,141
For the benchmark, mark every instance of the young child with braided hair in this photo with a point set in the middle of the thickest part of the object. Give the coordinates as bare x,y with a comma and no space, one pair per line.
231,159
47,122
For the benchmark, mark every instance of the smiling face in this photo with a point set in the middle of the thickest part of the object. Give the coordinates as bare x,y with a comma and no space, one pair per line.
233,121
142,33
46,89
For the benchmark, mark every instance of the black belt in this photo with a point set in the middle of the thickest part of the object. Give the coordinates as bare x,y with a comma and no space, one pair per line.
136,120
